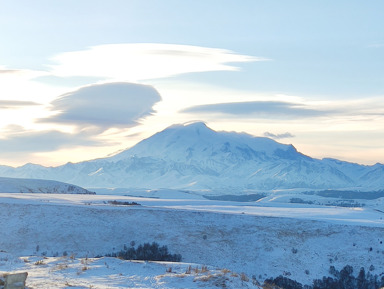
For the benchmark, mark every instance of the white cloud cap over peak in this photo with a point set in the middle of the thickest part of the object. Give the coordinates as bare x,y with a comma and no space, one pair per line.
141,61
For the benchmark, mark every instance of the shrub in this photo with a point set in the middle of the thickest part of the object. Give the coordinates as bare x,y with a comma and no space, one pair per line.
147,252
371,268
39,262
283,282
343,279
121,203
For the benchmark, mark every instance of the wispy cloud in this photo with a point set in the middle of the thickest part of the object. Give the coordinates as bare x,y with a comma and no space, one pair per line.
369,109
140,61
19,145
260,109
21,140
278,136
19,85
9,71
11,104
21,73
376,45
105,105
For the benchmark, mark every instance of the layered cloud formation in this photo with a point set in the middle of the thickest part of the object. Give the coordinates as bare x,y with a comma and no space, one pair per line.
260,109
89,111
47,111
105,105
141,61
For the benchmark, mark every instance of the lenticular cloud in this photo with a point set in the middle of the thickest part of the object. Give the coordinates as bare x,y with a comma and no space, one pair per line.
141,61
105,105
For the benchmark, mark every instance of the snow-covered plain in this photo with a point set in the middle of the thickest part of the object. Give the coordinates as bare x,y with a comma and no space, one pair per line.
260,239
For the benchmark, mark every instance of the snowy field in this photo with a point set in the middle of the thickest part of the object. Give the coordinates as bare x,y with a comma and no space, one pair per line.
103,273
260,239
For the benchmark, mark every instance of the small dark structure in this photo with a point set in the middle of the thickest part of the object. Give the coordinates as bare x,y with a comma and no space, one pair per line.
15,280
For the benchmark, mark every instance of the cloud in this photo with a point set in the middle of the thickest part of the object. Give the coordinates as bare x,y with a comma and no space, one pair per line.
20,73
141,61
376,45
11,104
105,105
20,140
259,109
9,71
20,85
278,136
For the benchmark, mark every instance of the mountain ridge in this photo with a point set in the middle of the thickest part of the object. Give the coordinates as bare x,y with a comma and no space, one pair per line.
193,156
22,185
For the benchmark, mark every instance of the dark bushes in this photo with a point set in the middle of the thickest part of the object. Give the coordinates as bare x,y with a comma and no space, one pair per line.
283,282
121,203
147,251
343,279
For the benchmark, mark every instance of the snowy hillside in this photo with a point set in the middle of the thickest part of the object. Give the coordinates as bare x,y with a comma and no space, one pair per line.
112,273
16,185
261,241
194,157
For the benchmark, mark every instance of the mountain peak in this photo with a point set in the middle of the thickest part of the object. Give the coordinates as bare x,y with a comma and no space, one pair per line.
195,124
195,141
188,127
193,156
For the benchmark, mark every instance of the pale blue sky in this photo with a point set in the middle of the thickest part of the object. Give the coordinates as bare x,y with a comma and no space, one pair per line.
310,70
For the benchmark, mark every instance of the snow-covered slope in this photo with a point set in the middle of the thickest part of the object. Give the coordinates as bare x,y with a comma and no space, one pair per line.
301,242
194,157
196,142
113,273
16,185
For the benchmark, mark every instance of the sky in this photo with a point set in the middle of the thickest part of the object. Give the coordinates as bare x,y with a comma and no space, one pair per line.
83,79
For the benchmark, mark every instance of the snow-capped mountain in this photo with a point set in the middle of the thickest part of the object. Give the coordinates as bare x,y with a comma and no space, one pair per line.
16,185
195,157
